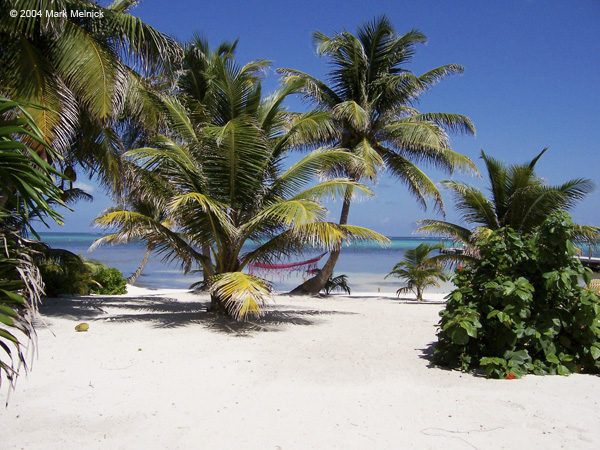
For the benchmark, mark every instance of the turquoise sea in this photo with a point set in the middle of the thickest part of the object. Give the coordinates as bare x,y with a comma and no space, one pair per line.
365,264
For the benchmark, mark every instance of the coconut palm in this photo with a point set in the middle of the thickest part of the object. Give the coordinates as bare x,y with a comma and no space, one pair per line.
370,98
144,214
419,270
519,199
84,72
27,187
228,187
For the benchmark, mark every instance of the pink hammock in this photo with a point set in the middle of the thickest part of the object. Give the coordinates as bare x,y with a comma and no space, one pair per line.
263,269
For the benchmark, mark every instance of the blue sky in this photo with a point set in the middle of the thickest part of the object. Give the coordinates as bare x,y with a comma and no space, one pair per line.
531,80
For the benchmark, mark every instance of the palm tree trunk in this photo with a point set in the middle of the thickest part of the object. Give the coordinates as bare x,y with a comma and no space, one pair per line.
419,293
217,306
315,284
134,276
208,272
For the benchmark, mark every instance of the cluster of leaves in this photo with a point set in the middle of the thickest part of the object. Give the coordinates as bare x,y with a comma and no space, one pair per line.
109,281
20,289
76,276
521,309
419,270
339,283
26,191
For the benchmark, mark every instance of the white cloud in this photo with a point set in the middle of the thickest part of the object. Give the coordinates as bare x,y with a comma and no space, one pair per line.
84,187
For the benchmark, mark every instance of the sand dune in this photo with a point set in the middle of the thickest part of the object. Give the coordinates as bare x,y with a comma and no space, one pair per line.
155,371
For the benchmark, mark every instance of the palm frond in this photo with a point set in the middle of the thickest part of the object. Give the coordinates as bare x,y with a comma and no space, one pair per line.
419,185
243,295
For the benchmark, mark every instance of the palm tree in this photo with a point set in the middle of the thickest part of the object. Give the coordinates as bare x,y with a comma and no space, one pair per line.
370,99
419,270
144,215
227,186
339,283
84,72
27,188
519,200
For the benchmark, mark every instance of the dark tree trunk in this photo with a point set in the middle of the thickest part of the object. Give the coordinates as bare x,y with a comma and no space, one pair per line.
135,275
217,306
315,284
207,274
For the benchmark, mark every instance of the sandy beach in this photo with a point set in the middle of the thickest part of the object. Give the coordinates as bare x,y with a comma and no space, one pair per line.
155,371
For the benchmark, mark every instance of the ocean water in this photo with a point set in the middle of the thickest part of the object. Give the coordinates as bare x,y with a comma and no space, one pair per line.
366,264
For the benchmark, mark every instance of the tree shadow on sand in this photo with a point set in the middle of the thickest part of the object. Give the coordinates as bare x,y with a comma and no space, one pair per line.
169,313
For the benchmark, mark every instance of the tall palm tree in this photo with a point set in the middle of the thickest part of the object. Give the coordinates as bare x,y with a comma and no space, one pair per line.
519,199
83,71
370,98
228,187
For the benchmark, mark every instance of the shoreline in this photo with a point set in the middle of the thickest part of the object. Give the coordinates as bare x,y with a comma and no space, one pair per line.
343,372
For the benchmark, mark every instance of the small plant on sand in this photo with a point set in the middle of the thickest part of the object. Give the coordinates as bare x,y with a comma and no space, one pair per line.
339,283
521,308
419,270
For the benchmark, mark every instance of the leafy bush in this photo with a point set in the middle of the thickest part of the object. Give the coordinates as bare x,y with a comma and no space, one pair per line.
77,276
110,282
521,309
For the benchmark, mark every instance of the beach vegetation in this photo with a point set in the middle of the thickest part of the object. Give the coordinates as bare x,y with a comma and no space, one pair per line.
108,281
65,273
419,270
370,96
339,283
144,213
218,176
27,187
521,308
518,199
86,73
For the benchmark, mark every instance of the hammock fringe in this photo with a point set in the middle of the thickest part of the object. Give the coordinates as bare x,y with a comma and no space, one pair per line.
285,270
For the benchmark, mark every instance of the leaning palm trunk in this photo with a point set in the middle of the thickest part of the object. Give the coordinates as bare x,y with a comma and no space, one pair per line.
316,284
135,275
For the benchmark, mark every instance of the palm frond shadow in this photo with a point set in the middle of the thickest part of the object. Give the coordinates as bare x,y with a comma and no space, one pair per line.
170,313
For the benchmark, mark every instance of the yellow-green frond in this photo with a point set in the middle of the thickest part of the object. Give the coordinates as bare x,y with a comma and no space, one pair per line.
243,295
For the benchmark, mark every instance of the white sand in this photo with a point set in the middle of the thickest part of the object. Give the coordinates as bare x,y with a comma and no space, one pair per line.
155,371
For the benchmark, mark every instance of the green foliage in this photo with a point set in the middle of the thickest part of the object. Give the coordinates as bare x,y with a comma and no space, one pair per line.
419,270
217,180
83,72
20,289
26,189
76,276
370,96
68,276
339,283
518,199
110,282
521,309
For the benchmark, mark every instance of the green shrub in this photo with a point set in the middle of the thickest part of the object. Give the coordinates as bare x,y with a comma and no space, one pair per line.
77,276
69,277
110,282
521,309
